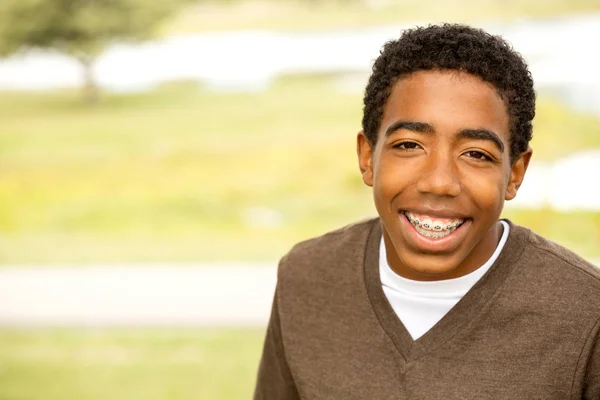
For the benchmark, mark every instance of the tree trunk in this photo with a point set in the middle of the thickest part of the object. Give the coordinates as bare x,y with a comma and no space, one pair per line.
90,90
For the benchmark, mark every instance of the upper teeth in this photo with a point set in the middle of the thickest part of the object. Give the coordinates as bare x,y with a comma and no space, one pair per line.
433,224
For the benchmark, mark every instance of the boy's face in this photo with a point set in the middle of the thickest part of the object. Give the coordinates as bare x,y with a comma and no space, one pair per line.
440,173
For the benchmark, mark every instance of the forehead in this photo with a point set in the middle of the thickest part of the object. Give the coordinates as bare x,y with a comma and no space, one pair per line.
448,100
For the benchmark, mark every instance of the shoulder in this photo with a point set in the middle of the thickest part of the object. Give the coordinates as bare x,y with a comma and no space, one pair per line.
556,256
561,277
340,246
346,236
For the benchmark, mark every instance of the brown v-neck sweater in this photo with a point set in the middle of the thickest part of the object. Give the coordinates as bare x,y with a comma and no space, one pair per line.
529,329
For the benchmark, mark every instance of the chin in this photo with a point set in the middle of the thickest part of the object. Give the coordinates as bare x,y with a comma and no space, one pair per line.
432,267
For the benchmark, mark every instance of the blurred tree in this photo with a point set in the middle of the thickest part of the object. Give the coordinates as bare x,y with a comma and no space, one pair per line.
80,28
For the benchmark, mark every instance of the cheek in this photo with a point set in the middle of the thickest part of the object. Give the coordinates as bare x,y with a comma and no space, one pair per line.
391,177
486,188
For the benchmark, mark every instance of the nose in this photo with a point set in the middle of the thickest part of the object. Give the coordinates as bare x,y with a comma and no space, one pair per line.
439,177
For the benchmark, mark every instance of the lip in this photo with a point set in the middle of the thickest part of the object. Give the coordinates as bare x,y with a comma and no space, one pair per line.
439,213
428,245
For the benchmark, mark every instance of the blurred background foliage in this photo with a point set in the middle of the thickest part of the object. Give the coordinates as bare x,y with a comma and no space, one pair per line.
182,173
80,29
126,364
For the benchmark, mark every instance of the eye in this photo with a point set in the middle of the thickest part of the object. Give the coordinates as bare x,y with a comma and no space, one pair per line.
406,145
478,155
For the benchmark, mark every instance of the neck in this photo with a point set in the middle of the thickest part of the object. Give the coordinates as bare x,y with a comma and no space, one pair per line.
476,258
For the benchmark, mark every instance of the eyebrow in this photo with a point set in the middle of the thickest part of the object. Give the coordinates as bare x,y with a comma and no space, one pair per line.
423,127
482,134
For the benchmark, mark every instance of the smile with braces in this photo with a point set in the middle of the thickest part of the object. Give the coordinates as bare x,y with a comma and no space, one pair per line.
433,229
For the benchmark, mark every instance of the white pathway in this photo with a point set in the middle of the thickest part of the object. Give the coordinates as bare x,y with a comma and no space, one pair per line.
184,295
222,295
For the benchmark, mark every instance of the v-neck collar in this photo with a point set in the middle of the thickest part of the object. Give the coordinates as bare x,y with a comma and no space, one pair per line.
458,317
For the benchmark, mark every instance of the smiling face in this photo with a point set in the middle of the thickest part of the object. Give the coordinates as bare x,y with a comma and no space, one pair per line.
440,173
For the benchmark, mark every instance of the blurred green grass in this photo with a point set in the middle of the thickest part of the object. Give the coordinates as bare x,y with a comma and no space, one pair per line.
184,174
126,364
341,14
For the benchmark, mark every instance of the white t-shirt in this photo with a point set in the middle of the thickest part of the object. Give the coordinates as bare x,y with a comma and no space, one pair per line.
421,304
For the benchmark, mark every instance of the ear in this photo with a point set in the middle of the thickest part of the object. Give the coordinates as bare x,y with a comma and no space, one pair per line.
365,158
517,173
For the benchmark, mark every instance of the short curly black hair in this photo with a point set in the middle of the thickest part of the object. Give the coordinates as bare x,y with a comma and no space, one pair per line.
454,47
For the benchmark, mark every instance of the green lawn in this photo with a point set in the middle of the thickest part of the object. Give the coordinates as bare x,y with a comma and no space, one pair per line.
128,364
336,14
182,174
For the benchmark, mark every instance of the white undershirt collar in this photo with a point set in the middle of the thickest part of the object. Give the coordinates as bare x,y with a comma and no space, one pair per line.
421,304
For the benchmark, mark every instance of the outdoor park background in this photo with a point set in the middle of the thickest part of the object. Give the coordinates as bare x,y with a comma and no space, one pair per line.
192,172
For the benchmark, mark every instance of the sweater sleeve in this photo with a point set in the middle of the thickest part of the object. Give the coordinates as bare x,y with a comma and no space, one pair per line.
274,380
591,387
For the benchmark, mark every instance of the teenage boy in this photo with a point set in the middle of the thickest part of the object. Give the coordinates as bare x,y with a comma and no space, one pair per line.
437,298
